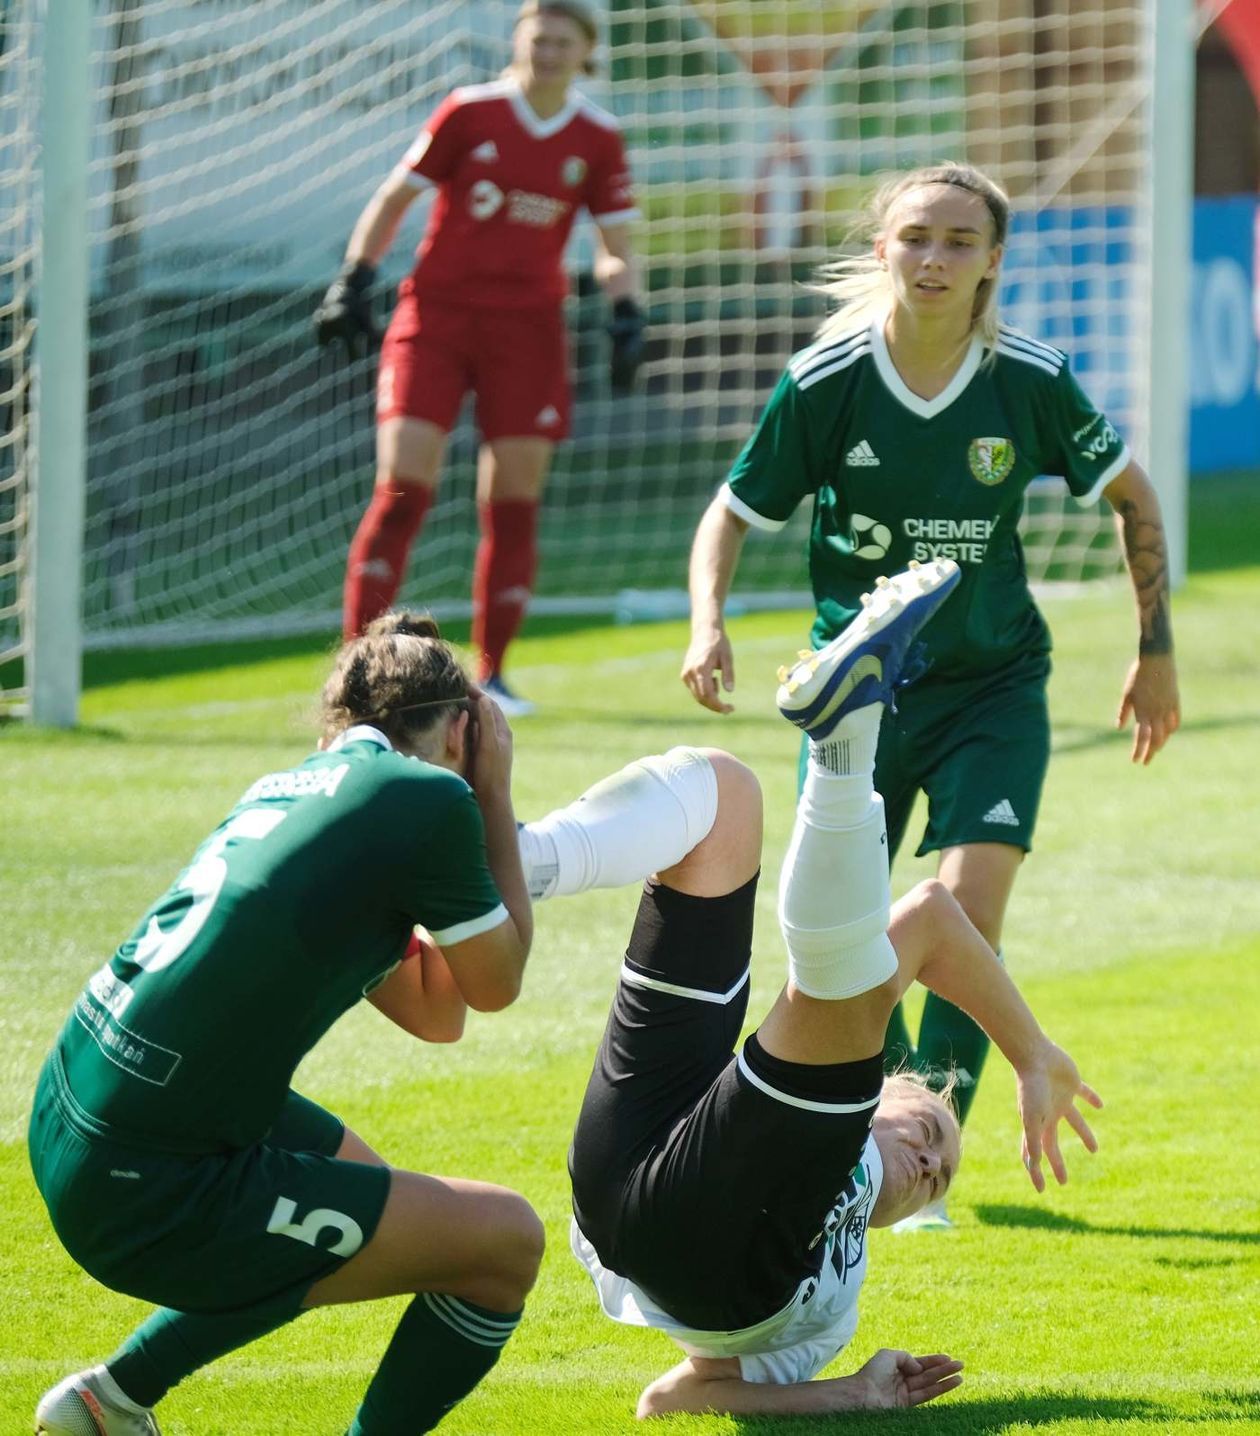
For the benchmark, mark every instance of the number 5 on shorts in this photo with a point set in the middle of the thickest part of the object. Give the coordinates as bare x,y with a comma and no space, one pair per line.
281,1224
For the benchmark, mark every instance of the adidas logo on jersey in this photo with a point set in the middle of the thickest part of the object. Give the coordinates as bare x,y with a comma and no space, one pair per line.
1002,813
861,456
486,154
547,417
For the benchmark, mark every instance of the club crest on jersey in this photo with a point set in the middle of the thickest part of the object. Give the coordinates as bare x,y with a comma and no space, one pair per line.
573,171
990,460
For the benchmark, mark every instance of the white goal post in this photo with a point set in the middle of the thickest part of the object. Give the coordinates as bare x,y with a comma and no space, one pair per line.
225,461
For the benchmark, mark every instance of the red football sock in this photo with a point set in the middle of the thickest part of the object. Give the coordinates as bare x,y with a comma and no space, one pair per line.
503,576
378,551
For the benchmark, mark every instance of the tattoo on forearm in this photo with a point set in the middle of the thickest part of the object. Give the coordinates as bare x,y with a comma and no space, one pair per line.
1147,556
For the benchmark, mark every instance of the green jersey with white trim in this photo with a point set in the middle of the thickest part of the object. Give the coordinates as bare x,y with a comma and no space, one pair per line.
300,902
895,477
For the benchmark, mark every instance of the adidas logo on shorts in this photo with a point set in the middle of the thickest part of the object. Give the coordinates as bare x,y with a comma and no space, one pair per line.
1002,813
861,456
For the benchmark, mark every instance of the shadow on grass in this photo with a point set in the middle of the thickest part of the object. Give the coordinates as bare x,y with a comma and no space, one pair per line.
1036,1218
996,1413
1072,738
960,1417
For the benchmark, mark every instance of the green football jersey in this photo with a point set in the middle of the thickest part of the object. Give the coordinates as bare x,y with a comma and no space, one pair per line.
895,477
302,900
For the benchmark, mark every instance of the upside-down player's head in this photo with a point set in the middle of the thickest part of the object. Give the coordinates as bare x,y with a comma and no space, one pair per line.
919,1143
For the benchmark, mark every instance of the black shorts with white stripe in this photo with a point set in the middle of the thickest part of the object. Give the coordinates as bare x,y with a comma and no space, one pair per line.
704,1177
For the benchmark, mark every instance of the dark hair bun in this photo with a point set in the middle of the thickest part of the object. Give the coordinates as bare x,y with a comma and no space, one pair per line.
411,625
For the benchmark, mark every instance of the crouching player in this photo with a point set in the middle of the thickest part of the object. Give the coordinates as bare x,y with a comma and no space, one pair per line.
724,1198
177,1164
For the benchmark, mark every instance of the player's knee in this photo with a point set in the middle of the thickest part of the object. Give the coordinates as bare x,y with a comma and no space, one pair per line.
522,1241
739,803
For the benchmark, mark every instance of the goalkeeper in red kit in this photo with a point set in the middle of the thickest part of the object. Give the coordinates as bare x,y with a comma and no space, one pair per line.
513,161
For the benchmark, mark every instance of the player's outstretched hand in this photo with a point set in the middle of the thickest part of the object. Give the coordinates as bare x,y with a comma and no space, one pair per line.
708,658
1150,695
625,329
1049,1087
345,313
895,1378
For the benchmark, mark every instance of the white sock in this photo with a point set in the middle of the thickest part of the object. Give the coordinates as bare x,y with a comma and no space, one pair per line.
644,818
840,771
539,858
834,898
850,746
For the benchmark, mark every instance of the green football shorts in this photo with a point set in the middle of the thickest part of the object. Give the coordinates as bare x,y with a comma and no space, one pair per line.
203,1233
977,747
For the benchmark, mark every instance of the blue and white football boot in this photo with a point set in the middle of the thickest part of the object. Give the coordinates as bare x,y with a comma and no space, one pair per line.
869,659
88,1404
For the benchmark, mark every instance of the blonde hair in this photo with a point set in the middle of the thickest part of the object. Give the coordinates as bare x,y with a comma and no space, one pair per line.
907,1081
858,284
576,10
400,676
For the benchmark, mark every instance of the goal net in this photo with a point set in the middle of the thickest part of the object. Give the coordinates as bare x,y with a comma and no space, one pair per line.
18,186
235,144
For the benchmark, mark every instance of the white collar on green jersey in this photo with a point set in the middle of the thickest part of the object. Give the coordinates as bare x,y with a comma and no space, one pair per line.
360,733
897,387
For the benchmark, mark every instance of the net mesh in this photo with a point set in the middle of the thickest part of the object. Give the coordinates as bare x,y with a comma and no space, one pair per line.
19,177
235,145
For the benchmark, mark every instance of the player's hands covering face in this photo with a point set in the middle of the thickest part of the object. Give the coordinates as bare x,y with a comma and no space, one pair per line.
490,771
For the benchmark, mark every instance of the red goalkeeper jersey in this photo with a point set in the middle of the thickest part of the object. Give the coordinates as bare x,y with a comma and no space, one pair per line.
509,188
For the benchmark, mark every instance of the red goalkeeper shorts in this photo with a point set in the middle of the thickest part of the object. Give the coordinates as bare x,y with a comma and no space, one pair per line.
515,361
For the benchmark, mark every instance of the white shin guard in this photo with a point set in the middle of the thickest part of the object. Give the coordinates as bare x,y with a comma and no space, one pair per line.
644,818
834,904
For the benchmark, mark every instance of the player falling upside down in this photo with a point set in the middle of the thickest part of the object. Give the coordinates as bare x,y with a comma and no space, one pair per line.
725,1198
359,1229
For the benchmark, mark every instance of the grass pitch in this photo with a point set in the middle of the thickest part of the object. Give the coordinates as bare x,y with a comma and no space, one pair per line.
1125,1301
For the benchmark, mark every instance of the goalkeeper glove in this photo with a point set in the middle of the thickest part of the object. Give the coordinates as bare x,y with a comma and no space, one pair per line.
346,310
626,332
